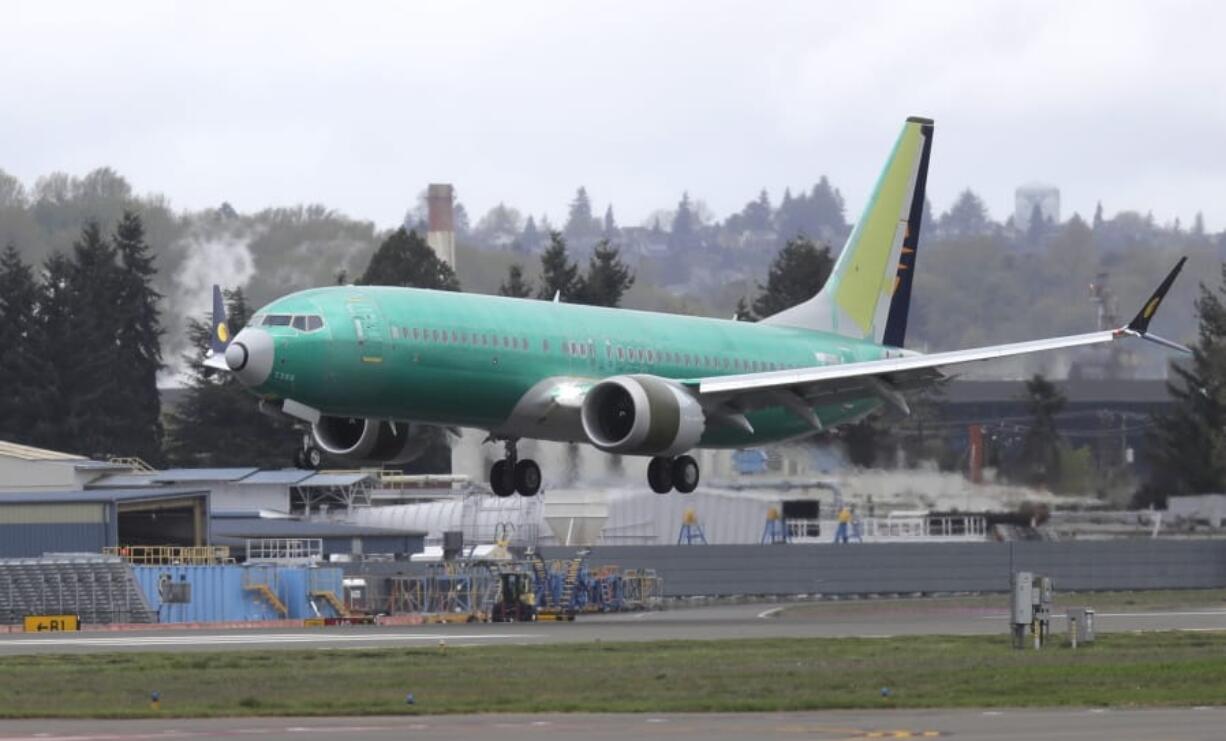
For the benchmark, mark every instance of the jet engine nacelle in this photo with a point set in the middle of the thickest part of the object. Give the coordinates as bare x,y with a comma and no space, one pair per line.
371,440
642,415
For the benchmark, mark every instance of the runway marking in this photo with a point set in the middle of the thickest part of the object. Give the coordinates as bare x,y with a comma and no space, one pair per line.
765,614
1185,613
249,639
153,735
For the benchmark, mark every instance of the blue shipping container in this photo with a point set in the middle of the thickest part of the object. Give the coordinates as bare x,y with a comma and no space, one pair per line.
221,593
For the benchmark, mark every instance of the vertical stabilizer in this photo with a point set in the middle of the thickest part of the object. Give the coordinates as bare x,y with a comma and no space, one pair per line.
219,338
868,295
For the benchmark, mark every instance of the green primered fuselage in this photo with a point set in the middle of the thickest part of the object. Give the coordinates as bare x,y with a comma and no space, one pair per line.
466,360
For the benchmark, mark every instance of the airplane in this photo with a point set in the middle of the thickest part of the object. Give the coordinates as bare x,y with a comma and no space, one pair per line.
375,370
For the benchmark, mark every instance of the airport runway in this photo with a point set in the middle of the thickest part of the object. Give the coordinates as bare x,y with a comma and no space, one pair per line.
996,725
720,622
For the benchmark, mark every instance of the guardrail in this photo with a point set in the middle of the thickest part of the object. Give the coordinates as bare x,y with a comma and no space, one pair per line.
163,555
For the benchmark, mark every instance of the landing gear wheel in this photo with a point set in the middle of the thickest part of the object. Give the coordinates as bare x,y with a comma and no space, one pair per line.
502,479
660,475
527,478
313,457
685,474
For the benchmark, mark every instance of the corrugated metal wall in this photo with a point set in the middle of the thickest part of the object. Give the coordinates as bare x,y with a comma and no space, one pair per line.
218,594
720,570
31,541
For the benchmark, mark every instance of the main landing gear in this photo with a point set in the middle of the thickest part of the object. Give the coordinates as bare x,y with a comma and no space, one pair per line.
666,474
511,475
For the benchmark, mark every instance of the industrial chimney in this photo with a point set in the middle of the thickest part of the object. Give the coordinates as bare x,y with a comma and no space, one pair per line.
441,234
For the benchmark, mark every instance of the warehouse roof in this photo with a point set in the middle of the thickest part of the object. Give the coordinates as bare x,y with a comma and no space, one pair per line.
176,475
126,481
96,495
334,479
285,476
29,453
264,527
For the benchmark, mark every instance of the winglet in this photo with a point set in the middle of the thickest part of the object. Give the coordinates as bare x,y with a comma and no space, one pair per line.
219,337
1139,325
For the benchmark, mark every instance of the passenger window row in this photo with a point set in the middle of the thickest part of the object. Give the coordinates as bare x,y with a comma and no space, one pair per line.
459,337
691,360
586,349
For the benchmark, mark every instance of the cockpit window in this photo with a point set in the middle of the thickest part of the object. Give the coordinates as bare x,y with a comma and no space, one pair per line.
277,320
300,322
314,323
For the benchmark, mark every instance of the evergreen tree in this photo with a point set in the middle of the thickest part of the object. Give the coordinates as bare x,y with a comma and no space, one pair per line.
610,226
828,217
515,286
607,278
682,234
218,422
55,315
27,380
1188,449
756,216
1040,456
87,351
139,345
580,224
1037,226
404,259
530,238
1098,216
1198,225
460,221
559,276
967,218
797,273
742,313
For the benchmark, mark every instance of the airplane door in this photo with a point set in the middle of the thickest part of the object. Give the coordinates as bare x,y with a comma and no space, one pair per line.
367,329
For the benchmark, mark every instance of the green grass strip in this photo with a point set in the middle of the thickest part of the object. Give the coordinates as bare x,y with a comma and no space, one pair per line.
1151,669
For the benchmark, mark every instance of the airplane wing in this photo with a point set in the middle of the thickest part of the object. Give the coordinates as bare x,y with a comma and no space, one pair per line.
801,389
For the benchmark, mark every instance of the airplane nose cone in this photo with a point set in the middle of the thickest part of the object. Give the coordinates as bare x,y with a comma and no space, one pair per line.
250,356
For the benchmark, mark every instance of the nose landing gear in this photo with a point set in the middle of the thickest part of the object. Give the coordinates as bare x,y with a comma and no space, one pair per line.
511,475
308,456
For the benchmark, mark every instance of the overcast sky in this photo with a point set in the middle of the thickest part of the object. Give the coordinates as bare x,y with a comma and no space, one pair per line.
359,105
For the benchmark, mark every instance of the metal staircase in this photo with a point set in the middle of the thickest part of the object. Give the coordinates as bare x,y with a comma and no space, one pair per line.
262,581
333,601
98,589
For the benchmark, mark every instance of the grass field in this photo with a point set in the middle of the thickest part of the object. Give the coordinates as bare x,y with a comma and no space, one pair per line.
752,675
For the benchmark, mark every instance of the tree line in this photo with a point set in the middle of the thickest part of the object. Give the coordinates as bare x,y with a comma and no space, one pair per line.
80,346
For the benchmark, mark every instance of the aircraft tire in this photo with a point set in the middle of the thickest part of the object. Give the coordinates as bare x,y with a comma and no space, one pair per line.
660,475
502,479
685,474
313,457
527,478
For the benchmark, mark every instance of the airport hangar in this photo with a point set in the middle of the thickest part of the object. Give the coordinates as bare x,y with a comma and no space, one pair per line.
53,502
